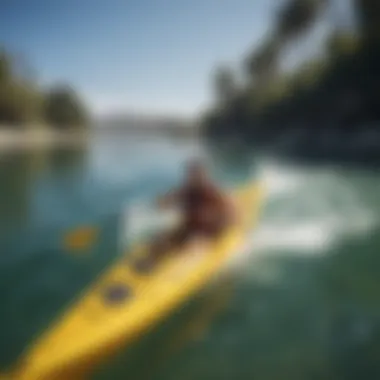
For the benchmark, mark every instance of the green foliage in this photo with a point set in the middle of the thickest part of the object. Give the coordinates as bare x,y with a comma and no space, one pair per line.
338,89
264,61
225,84
5,67
368,14
296,16
342,43
309,74
22,102
64,109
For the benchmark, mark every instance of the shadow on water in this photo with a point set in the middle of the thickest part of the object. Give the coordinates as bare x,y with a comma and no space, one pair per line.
20,173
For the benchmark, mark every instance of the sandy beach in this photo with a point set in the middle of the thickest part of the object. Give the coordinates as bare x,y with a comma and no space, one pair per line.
39,138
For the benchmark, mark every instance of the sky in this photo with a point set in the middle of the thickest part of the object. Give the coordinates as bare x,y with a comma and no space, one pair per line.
135,55
143,55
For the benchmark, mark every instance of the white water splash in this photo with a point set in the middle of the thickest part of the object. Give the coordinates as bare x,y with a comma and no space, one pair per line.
142,218
309,210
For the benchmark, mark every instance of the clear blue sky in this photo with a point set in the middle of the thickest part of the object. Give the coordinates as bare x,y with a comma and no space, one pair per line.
134,54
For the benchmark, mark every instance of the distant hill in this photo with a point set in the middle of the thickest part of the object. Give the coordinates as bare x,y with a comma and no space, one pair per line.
151,124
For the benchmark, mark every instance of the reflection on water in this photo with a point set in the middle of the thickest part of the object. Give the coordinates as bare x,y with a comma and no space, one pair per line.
14,190
304,300
20,175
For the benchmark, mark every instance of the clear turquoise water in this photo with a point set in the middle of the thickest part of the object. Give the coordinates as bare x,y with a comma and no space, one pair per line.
304,303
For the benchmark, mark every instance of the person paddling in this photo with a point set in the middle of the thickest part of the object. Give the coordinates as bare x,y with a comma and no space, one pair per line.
205,211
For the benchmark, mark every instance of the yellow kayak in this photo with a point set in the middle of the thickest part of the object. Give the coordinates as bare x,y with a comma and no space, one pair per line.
123,304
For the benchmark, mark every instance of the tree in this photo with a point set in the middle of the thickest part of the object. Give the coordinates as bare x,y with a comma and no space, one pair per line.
262,64
368,12
5,67
225,85
296,16
341,43
309,74
64,109
20,100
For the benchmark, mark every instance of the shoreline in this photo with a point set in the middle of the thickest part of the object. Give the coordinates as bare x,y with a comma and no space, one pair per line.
39,138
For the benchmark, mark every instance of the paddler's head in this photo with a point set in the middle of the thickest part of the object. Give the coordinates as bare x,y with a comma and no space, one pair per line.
196,173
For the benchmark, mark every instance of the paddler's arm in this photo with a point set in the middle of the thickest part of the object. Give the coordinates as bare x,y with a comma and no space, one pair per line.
228,205
231,210
169,199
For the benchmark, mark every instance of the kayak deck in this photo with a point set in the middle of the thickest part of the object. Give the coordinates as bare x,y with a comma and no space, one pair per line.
123,304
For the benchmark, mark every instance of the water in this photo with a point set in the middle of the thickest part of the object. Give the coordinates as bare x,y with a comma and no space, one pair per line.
302,302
